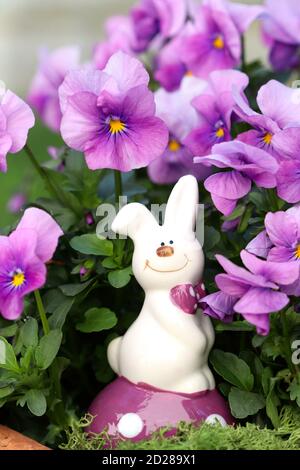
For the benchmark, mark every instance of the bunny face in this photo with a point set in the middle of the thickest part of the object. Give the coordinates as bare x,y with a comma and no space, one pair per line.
164,258
168,255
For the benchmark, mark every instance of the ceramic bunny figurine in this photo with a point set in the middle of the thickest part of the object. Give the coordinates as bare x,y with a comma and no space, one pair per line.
162,358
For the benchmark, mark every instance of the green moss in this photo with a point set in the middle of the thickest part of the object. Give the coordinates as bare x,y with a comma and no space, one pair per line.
205,437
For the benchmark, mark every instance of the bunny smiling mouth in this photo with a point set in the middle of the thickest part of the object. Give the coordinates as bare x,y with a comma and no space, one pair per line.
147,265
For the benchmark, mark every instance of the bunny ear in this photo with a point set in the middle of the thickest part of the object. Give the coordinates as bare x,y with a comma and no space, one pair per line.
132,219
181,210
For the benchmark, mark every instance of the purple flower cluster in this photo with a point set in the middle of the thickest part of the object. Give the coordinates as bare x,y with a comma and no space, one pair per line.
267,155
254,293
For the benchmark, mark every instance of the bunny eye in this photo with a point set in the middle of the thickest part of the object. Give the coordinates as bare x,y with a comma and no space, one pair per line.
162,244
171,242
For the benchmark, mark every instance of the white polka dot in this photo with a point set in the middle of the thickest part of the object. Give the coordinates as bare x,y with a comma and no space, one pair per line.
215,419
130,425
192,292
198,297
195,306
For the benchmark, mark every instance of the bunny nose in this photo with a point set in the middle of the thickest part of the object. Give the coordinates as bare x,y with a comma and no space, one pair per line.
165,251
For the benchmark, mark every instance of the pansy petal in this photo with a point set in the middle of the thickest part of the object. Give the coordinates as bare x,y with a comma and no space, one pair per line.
260,300
11,307
261,322
225,206
48,231
23,244
77,81
288,181
231,185
81,121
127,71
231,285
281,228
281,254
277,102
5,146
278,273
260,245
219,305
19,118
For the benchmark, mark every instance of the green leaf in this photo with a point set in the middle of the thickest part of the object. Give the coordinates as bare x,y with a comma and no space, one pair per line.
47,349
36,402
238,212
211,238
233,369
70,290
120,278
266,379
243,403
97,319
294,390
29,333
258,340
244,222
90,244
8,358
239,325
109,263
6,391
272,402
9,331
58,318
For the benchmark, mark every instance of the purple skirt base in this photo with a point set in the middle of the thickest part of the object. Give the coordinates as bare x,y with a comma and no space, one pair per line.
126,410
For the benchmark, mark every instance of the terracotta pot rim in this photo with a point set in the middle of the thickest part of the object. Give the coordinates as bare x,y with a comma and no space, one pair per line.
12,440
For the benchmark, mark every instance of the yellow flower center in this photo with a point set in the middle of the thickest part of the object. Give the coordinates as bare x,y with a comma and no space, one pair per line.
174,145
116,126
18,279
297,252
267,138
188,73
220,132
219,42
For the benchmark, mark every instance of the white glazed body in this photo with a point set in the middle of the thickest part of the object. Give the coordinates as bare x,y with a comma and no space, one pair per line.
165,347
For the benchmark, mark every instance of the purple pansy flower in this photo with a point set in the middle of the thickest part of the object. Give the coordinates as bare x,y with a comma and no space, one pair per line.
219,306
281,28
43,94
249,165
23,255
214,107
216,44
176,111
16,118
110,115
153,17
277,128
257,290
120,37
170,67
280,241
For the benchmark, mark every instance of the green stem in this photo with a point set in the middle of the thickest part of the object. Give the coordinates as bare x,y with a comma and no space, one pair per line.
51,187
118,185
42,312
287,340
243,58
